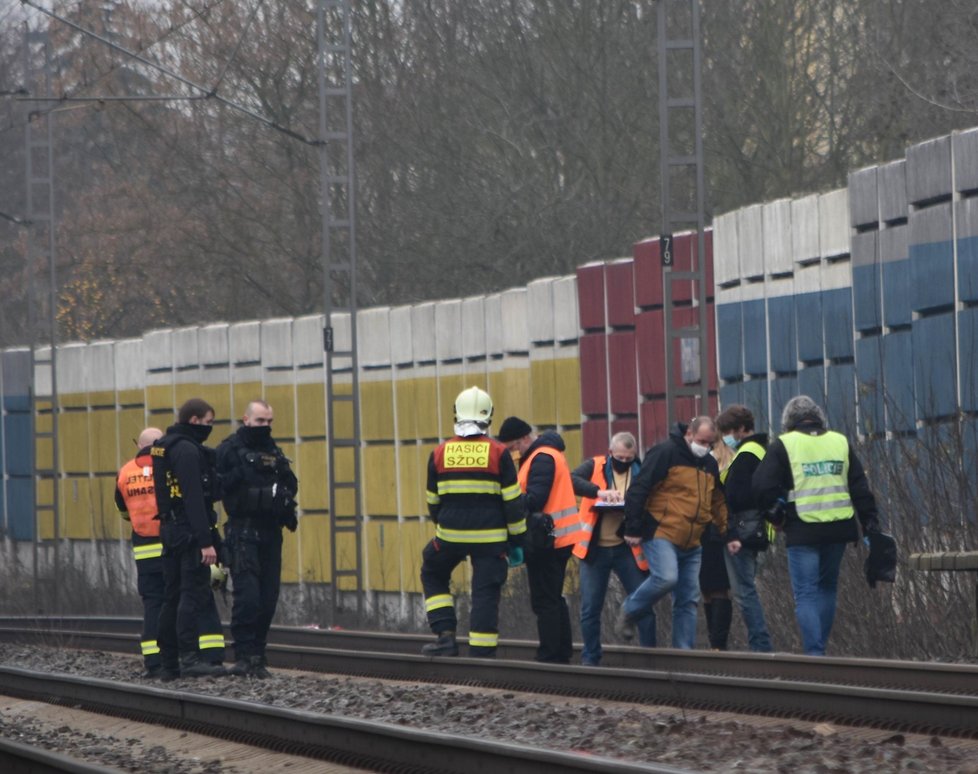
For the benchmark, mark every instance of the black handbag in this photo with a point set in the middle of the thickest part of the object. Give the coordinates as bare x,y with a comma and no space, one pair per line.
751,529
540,527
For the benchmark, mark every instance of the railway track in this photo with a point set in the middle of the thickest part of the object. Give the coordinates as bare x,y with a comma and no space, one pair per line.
353,742
905,696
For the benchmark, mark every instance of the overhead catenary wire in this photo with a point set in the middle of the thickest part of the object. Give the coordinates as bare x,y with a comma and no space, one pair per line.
207,93
237,47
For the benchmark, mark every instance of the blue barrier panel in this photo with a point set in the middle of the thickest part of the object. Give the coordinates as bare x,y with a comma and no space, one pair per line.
16,380
898,380
755,398
935,366
811,382
869,372
932,265
808,323
968,269
784,346
968,357
840,398
17,440
866,283
897,281
731,393
20,508
730,341
755,338
837,316
782,390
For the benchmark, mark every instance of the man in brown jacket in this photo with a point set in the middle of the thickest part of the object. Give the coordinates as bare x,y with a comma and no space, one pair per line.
672,499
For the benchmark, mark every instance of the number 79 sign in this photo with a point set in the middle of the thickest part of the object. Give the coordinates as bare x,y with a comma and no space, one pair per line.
665,249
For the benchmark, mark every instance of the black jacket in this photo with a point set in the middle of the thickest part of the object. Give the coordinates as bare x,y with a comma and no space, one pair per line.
773,480
185,481
737,485
255,476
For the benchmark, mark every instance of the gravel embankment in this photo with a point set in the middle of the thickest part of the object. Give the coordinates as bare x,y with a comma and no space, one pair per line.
705,741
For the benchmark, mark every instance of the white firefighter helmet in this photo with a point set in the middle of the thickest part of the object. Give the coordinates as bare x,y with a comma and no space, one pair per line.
473,405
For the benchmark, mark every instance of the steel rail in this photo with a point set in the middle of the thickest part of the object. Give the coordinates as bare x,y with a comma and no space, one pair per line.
378,746
871,673
17,758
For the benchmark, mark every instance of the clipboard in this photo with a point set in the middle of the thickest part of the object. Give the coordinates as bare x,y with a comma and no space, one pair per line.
608,506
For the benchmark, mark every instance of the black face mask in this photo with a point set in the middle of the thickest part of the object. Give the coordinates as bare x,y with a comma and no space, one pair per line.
258,435
200,433
619,466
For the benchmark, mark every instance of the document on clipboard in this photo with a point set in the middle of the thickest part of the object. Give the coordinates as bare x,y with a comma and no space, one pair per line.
603,506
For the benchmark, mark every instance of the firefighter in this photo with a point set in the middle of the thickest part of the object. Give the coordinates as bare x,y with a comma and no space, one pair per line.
474,500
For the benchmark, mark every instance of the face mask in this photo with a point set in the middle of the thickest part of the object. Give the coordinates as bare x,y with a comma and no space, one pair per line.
730,441
620,466
698,449
258,435
200,432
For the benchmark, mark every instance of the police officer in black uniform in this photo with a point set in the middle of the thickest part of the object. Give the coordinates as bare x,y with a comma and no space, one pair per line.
259,497
186,487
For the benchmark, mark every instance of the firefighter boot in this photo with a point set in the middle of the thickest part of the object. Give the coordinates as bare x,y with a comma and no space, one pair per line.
192,666
257,667
445,645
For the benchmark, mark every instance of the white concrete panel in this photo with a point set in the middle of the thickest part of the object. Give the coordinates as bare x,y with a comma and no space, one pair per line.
402,335
307,340
100,368
185,352
750,228
751,291
448,329
540,295
245,342
726,249
342,338
892,180
474,327
782,286
833,223
804,229
965,153
129,367
42,371
276,343
516,320
776,222
863,197
494,324
729,295
929,170
212,343
374,337
423,323
836,275
72,369
158,350
808,279
567,325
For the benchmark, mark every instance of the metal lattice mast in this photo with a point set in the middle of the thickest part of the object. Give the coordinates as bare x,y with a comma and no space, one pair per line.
680,97
337,194
42,306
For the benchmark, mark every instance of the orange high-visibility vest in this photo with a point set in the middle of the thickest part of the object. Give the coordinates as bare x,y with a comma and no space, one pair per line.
135,482
589,517
561,504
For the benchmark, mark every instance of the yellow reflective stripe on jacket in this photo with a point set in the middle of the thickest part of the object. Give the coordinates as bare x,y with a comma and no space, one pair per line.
437,602
511,492
517,527
456,486
147,551
210,641
751,447
499,535
820,471
483,639
568,528
149,647
432,497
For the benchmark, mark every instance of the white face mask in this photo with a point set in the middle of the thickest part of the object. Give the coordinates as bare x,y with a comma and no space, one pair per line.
698,449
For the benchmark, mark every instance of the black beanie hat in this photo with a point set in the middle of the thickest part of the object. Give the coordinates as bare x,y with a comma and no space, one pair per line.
512,429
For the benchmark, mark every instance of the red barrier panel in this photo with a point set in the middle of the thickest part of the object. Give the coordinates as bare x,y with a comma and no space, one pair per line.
651,348
620,289
622,369
648,273
590,296
594,374
625,425
594,438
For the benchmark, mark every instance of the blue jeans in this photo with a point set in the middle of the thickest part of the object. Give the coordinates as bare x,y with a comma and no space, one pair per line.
675,570
814,572
595,573
742,568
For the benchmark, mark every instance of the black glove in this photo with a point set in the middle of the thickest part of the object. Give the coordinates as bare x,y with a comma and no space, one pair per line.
291,522
540,530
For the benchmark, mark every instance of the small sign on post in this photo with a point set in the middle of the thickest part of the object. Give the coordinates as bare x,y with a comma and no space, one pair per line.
665,250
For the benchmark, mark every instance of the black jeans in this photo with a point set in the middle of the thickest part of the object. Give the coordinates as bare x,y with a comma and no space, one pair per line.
256,573
149,583
545,569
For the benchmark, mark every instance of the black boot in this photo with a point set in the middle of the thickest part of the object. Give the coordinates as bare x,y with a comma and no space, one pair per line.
192,666
240,668
445,645
719,623
257,667
170,668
